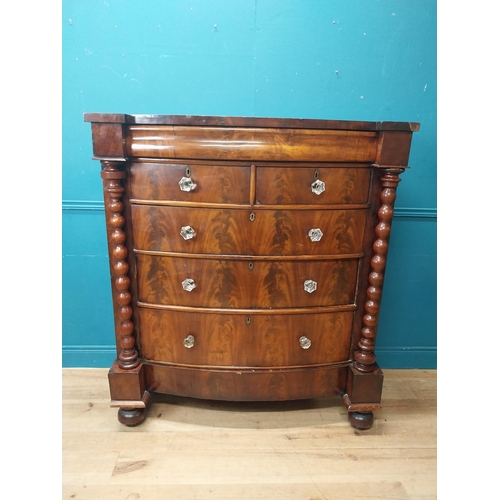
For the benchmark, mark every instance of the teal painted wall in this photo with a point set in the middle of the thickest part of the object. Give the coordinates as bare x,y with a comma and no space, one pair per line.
348,60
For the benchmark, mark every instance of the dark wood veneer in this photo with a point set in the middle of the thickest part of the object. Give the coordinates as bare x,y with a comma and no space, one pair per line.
214,183
286,186
245,341
266,208
231,284
231,231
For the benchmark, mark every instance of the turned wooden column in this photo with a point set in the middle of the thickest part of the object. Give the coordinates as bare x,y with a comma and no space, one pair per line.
364,356
112,174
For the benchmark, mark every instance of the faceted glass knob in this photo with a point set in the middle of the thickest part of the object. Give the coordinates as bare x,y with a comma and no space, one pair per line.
310,286
317,187
315,234
188,284
186,184
189,342
304,342
187,232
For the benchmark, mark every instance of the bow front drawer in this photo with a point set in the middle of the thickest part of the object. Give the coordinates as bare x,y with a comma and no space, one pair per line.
248,232
253,340
245,283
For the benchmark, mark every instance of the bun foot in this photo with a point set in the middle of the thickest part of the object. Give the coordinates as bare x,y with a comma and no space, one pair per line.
361,420
131,417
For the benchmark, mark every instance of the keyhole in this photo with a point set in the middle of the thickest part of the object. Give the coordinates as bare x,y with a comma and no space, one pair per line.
252,217
188,172
316,174
250,265
247,320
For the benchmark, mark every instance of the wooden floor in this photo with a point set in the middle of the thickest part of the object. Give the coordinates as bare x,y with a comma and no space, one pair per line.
188,449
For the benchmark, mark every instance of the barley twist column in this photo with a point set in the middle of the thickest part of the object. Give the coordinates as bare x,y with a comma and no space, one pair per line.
112,176
364,356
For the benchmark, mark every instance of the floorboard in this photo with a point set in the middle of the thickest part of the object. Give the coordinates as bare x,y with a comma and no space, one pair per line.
191,449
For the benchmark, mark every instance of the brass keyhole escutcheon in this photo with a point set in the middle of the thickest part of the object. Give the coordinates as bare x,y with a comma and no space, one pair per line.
248,320
188,172
252,217
250,266
316,174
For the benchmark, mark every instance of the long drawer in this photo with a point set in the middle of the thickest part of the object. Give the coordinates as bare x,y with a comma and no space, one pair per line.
247,232
245,284
239,340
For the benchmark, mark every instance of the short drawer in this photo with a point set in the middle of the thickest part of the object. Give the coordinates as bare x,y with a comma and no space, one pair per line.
238,340
247,232
245,283
190,182
312,186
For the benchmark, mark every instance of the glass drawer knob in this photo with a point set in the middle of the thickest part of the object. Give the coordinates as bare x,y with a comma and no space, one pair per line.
315,234
188,342
186,184
310,286
187,232
317,187
188,284
304,342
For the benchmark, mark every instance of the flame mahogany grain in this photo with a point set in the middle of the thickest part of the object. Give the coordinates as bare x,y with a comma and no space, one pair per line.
245,340
231,232
230,284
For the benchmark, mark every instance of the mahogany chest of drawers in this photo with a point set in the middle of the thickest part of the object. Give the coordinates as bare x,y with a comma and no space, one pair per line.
247,255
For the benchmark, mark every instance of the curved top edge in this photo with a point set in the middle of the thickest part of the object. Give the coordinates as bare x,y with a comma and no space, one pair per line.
238,121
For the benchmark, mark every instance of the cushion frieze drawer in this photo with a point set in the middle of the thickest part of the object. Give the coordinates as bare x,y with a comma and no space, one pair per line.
190,182
233,232
245,284
250,144
313,186
254,340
